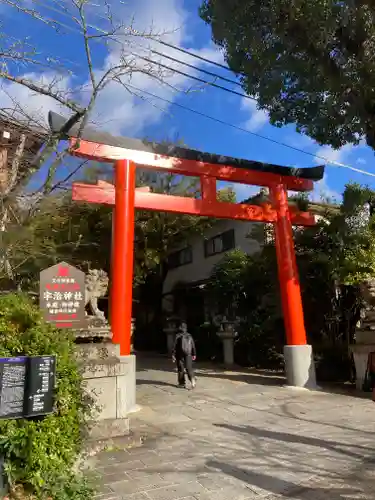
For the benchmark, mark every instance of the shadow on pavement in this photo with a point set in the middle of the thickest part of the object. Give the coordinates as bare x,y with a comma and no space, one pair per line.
341,448
284,488
158,362
155,382
251,377
209,370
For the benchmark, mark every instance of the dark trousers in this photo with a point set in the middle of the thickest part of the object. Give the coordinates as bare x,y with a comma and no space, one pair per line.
185,362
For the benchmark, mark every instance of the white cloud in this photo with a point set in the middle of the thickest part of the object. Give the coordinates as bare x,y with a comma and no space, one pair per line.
258,118
244,191
328,154
301,141
29,104
117,110
361,161
323,192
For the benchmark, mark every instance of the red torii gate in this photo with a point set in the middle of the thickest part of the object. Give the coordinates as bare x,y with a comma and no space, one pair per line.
127,153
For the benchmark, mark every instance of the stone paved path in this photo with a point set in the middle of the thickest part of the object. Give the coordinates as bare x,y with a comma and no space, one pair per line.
242,436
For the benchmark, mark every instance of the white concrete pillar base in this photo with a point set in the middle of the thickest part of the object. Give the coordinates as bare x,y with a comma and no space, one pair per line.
126,386
300,367
228,351
111,382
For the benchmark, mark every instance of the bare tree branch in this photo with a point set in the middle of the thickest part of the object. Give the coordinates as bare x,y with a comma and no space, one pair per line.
16,164
19,58
40,89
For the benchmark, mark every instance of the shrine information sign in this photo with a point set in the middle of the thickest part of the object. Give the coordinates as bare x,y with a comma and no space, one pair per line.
40,384
62,296
12,387
27,386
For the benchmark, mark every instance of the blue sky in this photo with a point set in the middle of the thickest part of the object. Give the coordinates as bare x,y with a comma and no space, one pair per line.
121,112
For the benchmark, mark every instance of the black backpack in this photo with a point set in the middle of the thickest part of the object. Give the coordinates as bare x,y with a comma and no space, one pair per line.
186,344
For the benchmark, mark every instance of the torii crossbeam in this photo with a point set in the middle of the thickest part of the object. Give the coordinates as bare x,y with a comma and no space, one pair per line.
127,154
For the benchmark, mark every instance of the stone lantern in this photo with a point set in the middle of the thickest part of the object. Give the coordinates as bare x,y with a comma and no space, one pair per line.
227,333
170,330
365,332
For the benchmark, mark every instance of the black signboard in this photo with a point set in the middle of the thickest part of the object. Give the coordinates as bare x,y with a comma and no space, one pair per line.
27,386
12,387
62,292
40,385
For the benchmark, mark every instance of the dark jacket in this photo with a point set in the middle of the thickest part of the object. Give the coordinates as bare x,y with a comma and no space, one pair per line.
177,350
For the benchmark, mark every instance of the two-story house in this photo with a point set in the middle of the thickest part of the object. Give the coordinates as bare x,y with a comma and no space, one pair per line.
191,264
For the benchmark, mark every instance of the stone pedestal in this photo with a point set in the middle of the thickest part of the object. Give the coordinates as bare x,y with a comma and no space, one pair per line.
365,332
110,380
360,355
227,334
365,343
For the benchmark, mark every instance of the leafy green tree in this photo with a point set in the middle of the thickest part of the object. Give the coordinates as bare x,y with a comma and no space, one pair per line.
333,257
307,62
59,230
80,234
159,233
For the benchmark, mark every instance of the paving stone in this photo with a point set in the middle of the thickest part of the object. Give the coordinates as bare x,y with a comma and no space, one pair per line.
234,439
146,473
176,491
106,496
123,466
136,496
213,482
110,457
228,494
137,486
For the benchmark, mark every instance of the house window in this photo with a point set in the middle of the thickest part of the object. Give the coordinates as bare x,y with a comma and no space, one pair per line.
180,257
220,243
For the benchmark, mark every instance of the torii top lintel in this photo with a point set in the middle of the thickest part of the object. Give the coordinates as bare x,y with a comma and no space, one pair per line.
101,146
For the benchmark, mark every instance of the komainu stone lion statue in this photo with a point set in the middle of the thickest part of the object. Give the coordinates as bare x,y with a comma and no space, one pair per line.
367,289
96,287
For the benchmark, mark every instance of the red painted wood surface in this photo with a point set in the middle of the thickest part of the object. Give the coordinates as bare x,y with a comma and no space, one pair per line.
287,267
123,250
102,152
144,200
125,198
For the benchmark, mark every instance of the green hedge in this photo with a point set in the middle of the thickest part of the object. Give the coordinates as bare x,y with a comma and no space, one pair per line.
40,453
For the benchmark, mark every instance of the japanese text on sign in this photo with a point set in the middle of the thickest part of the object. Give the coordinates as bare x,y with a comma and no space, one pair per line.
62,295
27,386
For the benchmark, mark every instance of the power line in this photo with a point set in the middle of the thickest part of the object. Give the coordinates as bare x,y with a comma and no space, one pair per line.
158,40
326,160
161,54
236,127
209,61
202,70
196,78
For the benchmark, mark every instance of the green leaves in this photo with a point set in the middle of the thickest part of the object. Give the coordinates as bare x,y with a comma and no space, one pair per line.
308,63
40,453
333,258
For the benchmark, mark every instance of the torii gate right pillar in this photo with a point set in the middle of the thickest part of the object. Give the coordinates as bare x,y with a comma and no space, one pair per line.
299,362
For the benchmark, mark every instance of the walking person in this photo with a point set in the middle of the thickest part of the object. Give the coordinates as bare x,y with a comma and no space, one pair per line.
184,353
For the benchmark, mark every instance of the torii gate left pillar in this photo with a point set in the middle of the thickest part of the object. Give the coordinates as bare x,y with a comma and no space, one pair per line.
122,255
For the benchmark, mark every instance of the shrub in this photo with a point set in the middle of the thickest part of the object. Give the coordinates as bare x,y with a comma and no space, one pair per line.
40,453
